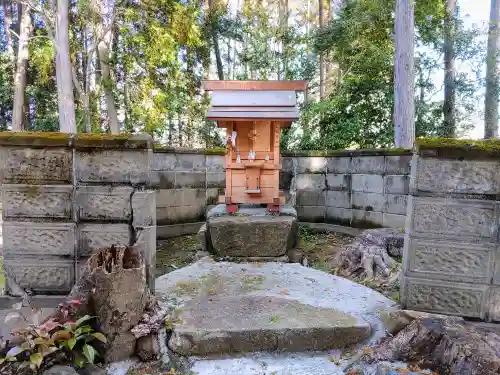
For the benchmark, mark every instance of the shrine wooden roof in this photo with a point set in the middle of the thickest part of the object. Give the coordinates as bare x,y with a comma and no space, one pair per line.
253,100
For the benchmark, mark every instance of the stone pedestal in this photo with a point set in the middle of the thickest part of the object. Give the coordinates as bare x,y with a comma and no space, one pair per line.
252,233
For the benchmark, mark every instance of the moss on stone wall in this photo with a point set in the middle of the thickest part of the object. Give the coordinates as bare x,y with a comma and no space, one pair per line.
112,141
458,148
35,139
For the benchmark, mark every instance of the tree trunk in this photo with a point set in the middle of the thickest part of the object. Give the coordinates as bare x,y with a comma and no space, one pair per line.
21,66
449,70
321,57
7,24
66,99
492,72
107,83
404,103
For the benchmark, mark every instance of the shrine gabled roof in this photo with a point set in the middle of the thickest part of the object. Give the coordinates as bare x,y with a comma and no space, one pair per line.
241,100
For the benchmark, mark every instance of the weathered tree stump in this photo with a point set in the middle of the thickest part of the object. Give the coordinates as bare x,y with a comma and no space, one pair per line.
442,344
113,288
371,255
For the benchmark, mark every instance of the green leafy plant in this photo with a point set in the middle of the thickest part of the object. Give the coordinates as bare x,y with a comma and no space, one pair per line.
67,335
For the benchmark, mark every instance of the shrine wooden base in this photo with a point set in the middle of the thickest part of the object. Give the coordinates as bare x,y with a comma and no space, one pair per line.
272,206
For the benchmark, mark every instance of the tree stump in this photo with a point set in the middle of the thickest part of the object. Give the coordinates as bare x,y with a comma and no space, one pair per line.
113,288
371,255
442,344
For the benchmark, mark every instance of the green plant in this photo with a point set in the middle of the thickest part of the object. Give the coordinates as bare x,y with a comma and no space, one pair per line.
39,342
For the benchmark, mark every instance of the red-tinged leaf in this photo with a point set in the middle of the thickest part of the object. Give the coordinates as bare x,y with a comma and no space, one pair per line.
49,325
75,302
61,335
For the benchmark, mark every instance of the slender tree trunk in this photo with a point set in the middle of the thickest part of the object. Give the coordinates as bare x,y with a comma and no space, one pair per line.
328,67
321,57
66,99
449,70
21,67
308,27
7,24
215,41
103,51
492,74
404,101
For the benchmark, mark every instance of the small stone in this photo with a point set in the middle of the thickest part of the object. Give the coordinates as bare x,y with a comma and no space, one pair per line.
201,254
60,370
148,348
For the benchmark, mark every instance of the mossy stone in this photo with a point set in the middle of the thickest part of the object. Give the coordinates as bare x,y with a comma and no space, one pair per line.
35,139
112,141
459,148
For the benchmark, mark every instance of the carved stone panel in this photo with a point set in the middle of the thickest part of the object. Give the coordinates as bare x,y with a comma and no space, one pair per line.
37,201
494,304
38,166
453,217
455,176
43,276
445,297
450,260
115,166
41,239
104,203
93,237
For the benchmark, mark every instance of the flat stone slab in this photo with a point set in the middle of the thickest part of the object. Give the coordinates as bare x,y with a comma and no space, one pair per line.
228,308
256,323
252,232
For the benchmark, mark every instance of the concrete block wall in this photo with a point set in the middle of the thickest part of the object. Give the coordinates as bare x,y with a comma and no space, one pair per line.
187,182
65,196
358,188
451,261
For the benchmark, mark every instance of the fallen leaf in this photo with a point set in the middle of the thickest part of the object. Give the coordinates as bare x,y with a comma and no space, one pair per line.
284,292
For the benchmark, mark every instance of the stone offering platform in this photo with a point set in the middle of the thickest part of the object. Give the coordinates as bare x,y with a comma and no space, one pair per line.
226,308
253,233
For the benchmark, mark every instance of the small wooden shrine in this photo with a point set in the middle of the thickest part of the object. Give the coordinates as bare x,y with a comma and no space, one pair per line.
253,113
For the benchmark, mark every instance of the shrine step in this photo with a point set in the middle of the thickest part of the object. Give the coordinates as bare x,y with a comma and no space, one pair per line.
233,308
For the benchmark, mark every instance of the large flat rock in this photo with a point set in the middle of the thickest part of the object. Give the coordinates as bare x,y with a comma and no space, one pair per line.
227,308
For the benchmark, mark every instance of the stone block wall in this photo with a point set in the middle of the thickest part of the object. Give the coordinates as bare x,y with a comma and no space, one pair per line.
363,188
65,196
359,188
187,181
451,261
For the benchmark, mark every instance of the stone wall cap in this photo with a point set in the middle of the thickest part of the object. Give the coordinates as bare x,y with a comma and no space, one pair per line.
35,139
349,153
186,150
458,148
112,141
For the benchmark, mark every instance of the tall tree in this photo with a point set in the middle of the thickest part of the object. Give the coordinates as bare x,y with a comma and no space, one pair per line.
322,55
21,69
449,109
492,73
404,102
104,56
66,99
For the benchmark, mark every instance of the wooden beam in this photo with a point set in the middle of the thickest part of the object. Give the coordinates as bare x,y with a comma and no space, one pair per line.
255,85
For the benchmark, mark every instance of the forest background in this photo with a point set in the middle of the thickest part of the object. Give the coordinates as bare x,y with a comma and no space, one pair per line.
137,65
